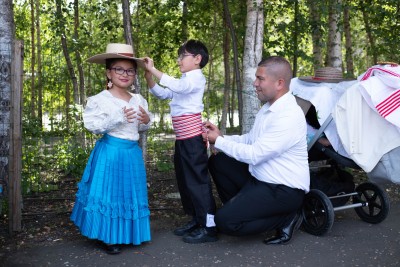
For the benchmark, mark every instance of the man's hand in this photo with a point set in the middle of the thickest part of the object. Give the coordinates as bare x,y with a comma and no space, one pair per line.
212,132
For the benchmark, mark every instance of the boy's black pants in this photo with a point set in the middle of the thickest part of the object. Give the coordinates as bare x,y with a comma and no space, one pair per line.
194,183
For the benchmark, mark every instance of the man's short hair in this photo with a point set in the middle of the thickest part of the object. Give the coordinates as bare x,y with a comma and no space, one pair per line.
279,67
196,48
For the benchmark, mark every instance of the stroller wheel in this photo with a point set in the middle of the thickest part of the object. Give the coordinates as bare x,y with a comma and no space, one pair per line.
318,214
377,203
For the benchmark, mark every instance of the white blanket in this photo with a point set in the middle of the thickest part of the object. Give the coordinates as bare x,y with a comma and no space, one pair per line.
365,135
380,87
324,97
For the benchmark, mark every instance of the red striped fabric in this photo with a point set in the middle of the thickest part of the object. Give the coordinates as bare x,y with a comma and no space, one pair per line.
391,103
187,126
370,72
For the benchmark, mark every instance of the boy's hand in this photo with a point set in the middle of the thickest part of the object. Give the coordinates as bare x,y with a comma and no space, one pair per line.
148,63
149,66
147,75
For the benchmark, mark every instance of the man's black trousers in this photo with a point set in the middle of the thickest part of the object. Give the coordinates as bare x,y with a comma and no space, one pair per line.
249,205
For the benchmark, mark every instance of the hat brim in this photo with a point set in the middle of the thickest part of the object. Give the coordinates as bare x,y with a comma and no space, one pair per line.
312,79
101,59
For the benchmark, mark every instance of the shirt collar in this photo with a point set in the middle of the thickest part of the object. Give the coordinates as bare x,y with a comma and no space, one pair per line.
278,104
192,72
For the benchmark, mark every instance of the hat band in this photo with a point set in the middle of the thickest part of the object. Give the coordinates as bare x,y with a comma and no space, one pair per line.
126,54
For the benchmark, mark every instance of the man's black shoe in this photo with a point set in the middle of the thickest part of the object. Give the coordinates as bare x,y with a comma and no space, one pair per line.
201,235
112,249
187,228
284,235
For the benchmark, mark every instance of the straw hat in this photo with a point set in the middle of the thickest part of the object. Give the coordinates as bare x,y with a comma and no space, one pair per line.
392,64
114,50
325,75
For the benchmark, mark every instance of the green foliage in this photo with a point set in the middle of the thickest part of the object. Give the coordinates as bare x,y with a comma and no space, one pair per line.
56,145
160,147
70,156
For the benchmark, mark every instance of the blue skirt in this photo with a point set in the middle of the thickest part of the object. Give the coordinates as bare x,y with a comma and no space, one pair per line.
111,203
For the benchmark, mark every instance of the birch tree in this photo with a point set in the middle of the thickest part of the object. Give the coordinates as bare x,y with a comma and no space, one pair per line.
7,33
252,56
334,55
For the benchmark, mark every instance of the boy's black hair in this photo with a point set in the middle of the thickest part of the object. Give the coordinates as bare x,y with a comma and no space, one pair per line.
196,48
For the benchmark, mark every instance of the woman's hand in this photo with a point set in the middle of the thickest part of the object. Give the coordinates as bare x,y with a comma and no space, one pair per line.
131,115
142,116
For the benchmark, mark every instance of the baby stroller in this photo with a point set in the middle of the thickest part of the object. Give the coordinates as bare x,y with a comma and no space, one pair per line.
369,201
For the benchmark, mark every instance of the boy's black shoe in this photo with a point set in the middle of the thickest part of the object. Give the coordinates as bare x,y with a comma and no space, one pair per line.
201,235
187,228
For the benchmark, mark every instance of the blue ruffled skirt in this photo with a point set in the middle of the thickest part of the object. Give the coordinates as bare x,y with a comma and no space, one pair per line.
111,203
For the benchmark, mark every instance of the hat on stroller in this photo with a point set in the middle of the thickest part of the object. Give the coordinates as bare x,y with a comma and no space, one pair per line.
326,75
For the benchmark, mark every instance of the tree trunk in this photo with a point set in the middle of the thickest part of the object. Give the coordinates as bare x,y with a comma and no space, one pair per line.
364,4
184,27
253,46
33,60
233,106
10,180
295,36
227,16
61,26
348,41
126,14
227,84
129,40
334,36
78,54
39,64
211,67
316,33
68,103
127,22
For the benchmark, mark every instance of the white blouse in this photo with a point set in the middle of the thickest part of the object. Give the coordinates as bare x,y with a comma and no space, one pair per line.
104,114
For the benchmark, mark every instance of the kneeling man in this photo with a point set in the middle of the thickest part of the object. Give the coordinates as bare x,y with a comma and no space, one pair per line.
262,176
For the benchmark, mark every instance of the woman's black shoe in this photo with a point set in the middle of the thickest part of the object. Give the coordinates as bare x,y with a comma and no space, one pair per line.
112,249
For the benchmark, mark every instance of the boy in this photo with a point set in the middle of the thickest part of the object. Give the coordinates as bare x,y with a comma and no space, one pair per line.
190,159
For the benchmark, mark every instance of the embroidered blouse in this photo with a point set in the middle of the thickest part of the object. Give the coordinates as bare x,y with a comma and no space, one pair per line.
104,114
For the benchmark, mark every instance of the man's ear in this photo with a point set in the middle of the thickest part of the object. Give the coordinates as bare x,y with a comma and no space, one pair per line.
281,83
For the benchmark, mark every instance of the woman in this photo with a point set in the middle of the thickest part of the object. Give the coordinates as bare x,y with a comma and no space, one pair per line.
111,203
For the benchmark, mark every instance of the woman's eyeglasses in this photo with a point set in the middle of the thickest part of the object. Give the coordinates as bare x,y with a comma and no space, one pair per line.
121,71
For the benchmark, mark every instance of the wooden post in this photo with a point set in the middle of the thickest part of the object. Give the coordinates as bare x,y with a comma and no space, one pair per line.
15,156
